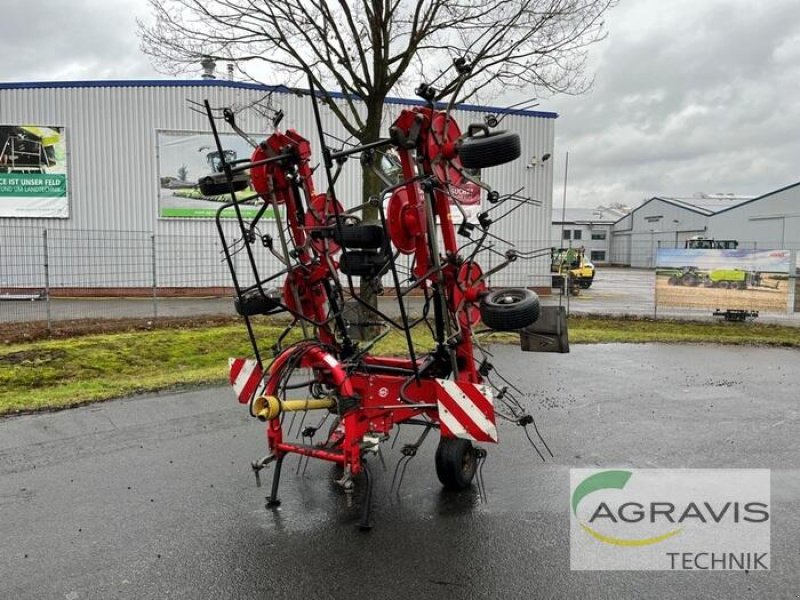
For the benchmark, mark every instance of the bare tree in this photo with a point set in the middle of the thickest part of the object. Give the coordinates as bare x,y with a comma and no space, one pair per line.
368,49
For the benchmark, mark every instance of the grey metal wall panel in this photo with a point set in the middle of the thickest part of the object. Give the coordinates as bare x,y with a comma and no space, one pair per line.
113,173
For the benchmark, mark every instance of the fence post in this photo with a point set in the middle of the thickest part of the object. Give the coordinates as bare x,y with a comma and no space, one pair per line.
655,280
153,265
46,279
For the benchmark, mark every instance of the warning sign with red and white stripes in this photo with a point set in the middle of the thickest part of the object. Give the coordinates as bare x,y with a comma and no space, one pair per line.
245,377
466,411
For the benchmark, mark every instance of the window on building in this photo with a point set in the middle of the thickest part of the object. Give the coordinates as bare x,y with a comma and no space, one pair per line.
576,235
566,234
598,235
598,255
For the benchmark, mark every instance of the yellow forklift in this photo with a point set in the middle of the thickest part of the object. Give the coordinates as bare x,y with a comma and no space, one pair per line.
572,264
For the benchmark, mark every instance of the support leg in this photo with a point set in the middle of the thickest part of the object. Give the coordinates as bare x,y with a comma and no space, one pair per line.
366,511
272,499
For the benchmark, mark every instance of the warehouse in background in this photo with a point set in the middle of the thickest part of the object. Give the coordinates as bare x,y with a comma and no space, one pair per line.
664,222
120,194
589,228
767,222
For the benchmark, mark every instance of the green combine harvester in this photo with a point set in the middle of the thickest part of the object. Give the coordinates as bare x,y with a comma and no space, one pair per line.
731,278
737,279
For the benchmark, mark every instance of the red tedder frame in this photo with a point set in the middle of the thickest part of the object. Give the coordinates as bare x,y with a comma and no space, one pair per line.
322,248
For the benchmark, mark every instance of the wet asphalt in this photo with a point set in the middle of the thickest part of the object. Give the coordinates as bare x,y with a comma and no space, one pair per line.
152,497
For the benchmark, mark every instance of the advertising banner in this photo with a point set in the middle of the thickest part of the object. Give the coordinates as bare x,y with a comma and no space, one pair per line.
33,171
184,157
723,279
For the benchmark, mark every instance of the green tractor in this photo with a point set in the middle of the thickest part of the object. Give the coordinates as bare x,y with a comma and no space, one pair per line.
687,276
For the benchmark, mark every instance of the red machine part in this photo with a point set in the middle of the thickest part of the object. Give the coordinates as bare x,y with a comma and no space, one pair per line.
379,409
465,291
270,178
376,389
260,175
441,148
406,219
304,293
319,215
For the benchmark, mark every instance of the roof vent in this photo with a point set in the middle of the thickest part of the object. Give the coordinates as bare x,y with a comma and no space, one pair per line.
208,65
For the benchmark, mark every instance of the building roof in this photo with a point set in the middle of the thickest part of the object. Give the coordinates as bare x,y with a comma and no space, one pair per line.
250,86
585,216
757,198
705,204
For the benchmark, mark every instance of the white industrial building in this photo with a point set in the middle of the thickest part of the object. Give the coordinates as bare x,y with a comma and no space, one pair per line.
771,221
117,135
667,222
589,228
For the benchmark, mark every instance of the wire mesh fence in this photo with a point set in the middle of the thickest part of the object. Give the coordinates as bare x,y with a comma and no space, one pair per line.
52,275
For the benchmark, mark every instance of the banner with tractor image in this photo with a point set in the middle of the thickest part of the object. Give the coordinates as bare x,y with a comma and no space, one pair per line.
33,171
185,158
723,279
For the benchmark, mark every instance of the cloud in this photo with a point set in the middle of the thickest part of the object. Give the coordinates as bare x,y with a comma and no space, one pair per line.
689,97
79,39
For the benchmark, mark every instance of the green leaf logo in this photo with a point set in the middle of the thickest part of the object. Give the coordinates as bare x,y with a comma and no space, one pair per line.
615,480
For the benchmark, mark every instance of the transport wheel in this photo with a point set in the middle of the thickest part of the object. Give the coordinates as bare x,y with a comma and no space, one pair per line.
585,284
363,263
455,463
359,236
254,302
489,149
509,309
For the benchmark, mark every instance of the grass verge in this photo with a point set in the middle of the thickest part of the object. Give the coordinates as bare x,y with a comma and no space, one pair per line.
51,374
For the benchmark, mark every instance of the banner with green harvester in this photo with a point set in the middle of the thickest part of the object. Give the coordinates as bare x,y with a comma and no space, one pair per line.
187,157
753,280
33,172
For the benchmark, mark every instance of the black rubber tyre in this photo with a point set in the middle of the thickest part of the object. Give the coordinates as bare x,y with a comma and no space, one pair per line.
363,263
359,236
455,463
489,150
509,309
674,280
585,284
254,303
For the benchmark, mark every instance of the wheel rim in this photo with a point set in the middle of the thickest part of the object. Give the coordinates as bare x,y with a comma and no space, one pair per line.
509,297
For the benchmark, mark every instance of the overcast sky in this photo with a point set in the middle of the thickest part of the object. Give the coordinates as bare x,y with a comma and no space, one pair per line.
690,95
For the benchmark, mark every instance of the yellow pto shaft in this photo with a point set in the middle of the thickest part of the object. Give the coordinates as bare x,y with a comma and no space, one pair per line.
267,408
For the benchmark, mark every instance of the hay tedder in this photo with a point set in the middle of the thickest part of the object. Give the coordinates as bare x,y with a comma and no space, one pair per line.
323,248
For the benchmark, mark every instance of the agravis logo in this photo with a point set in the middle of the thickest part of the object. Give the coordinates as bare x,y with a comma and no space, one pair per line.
603,481
675,519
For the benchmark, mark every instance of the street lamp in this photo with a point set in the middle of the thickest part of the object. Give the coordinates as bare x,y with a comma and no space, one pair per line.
564,202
